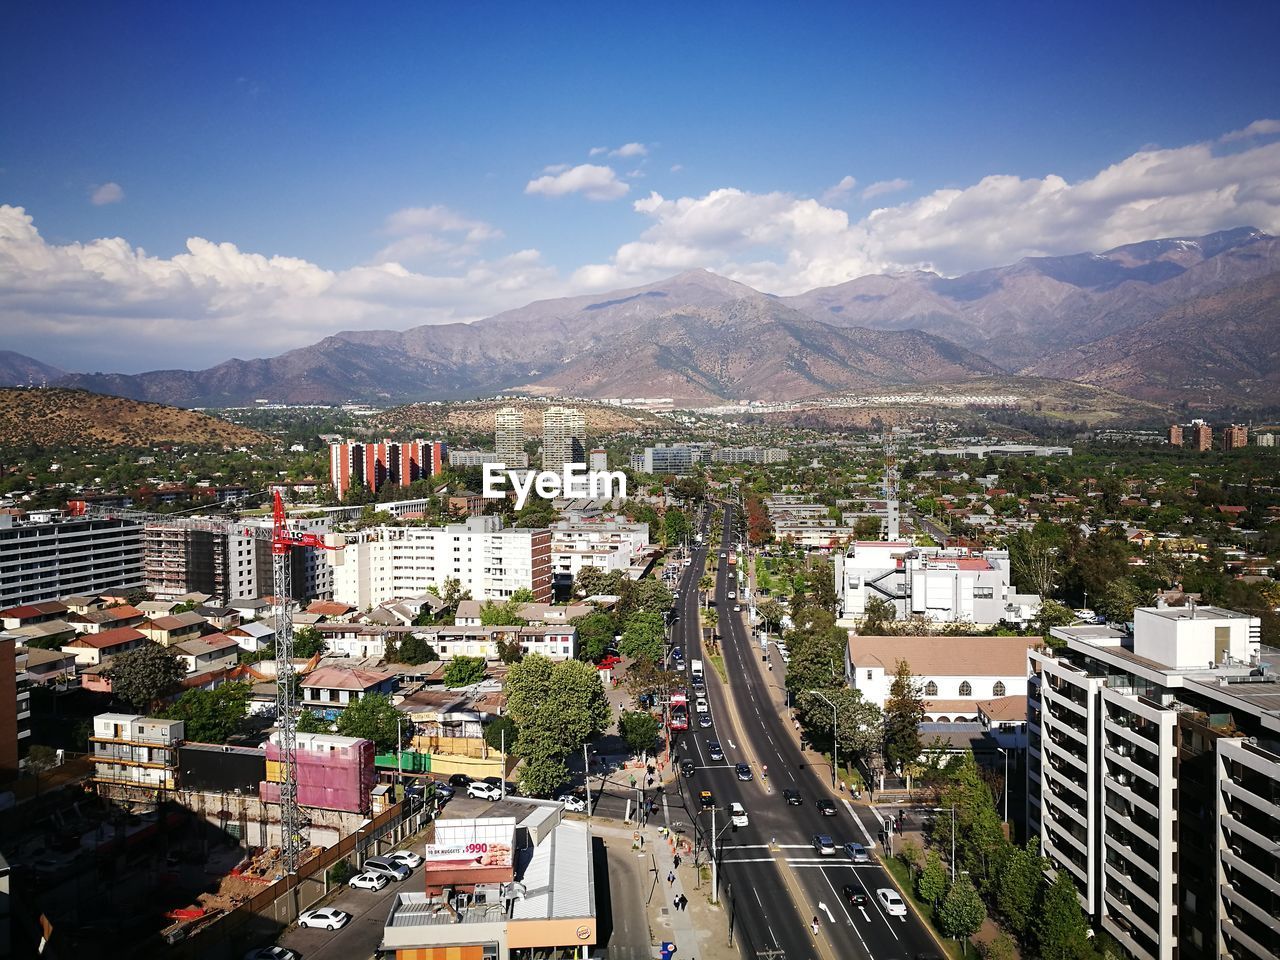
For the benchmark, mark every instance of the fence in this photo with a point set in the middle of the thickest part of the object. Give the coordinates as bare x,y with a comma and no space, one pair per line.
259,920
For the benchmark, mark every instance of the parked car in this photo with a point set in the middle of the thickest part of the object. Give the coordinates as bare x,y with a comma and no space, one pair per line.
826,806
714,750
824,845
737,814
687,768
854,896
483,791
325,918
792,797
743,771
273,953
387,868
368,881
460,780
608,662
406,858
891,902
444,791
572,803
857,853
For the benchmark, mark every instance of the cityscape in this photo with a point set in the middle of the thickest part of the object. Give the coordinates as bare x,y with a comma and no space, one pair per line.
496,483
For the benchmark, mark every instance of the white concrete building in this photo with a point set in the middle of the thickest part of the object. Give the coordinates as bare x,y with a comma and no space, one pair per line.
59,556
609,543
1153,779
945,585
564,437
489,561
509,437
957,675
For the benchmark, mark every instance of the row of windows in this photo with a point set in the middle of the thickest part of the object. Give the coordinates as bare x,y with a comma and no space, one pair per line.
966,689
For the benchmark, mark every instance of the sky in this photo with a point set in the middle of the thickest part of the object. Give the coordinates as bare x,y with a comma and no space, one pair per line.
179,186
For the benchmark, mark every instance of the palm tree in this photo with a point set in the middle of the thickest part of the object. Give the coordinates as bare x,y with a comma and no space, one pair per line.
707,583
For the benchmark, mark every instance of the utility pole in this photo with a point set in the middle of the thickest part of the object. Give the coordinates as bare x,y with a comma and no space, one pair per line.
502,745
1006,783
715,876
835,739
586,779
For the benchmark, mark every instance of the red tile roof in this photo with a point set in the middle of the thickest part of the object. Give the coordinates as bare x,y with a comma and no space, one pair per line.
108,638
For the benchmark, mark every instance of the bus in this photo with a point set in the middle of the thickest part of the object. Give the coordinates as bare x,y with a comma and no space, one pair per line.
678,718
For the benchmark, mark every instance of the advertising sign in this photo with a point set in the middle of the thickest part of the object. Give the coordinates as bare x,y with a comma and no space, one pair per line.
476,854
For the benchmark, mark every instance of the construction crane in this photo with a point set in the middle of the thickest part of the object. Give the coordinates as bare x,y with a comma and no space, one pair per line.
293,825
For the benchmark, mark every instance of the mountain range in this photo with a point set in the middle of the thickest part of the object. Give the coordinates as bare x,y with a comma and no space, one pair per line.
1183,317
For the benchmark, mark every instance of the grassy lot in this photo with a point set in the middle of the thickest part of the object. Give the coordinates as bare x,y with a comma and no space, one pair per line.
717,661
902,874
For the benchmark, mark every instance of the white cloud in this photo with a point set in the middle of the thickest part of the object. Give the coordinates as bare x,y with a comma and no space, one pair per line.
881,187
596,151
1259,128
840,191
591,180
677,167
630,150
109,192
425,233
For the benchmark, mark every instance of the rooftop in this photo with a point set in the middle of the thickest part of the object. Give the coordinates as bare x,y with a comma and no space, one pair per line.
945,656
108,638
341,679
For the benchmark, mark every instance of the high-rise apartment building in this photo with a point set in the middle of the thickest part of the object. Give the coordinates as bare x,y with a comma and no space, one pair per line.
1200,435
58,556
1235,437
509,438
1154,776
1175,435
564,437
9,726
386,461
1265,439
489,561
179,560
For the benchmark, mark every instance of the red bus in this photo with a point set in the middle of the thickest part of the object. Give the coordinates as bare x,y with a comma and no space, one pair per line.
678,717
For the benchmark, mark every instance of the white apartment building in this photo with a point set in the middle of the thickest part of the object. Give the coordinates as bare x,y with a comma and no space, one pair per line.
1154,779
564,437
509,438
473,458
608,543
945,585
61,556
489,561
956,674
751,455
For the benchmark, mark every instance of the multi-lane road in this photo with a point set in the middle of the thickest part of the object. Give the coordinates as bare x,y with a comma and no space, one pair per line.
772,880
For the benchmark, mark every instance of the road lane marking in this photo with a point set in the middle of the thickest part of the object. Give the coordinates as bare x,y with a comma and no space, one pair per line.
861,826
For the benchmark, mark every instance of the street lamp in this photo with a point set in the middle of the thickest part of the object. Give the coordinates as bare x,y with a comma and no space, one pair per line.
1006,783
952,810
835,740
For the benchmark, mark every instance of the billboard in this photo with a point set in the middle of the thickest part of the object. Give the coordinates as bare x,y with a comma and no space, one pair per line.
465,852
478,853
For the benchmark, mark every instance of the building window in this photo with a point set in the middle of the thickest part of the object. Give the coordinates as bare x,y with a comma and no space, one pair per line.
998,689
966,689
868,674
930,689
984,593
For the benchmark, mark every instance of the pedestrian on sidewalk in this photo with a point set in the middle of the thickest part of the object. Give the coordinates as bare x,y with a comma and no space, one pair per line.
684,902
814,926
676,861
675,904
671,877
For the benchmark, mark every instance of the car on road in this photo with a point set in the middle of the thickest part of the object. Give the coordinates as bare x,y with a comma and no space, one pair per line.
459,780
826,806
368,881
324,918
387,867
572,803
701,706
857,853
824,845
733,595
714,750
737,608
723,554
687,768
406,858
792,797
743,771
891,902
854,896
706,799
737,814
273,953
483,791
704,721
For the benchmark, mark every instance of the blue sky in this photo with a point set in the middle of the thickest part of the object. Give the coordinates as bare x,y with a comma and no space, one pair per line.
304,132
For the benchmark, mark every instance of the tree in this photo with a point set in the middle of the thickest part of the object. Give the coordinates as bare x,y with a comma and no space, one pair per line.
675,526
1000,947
592,581
931,882
510,649
451,594
464,671
1118,599
644,596
1018,886
962,911
876,617
502,613
771,613
211,716
501,732
859,722
639,729
144,676
413,649
557,707
372,717
1060,927
649,678
595,634
1033,562
523,595
1053,614
642,637
903,714
980,840
307,642
311,722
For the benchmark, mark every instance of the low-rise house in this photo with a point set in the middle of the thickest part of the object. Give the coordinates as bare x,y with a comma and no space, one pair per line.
329,690
253,637
106,618
53,669
26,614
557,643
174,628
49,634
91,648
85,603
220,618
214,652
330,609
534,614
252,608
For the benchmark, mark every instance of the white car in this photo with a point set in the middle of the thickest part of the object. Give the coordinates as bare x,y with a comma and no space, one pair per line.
273,953
701,706
406,858
892,903
738,814
483,791
367,881
325,918
573,804
733,595
737,608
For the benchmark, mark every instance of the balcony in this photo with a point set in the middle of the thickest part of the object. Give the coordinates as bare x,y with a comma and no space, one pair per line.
1135,918
1257,912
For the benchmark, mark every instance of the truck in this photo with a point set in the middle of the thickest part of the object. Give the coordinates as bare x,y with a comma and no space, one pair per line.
695,670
